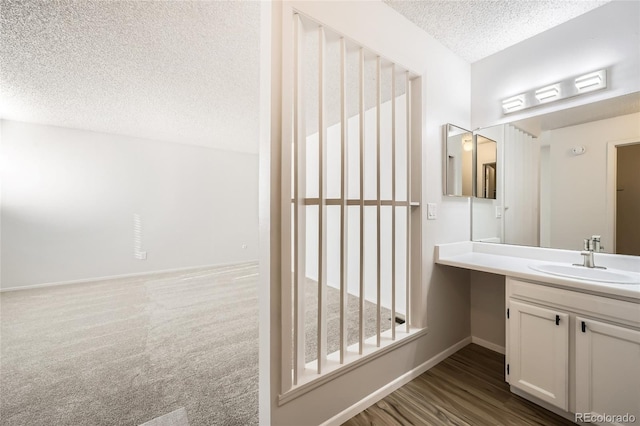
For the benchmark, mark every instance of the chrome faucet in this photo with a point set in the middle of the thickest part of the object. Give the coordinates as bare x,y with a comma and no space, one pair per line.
591,245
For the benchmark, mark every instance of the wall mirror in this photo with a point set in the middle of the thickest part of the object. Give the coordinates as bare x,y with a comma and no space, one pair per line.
486,151
458,162
563,177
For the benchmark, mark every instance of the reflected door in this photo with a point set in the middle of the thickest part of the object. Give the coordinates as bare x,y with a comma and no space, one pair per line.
628,199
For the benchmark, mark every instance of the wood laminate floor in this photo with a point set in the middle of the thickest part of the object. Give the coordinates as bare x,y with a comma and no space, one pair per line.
467,388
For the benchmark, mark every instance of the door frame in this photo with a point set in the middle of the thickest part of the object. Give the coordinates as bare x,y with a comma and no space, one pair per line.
611,193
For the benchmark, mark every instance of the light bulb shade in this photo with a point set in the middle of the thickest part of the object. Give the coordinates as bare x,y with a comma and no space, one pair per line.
564,89
548,94
592,81
513,104
467,146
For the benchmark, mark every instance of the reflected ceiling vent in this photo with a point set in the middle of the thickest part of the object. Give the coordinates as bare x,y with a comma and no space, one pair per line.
564,89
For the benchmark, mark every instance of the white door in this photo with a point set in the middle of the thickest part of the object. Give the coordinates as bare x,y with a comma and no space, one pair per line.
607,371
539,352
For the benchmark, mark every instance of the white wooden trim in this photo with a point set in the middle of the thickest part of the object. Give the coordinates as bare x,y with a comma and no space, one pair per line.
387,389
352,202
286,266
361,195
489,345
299,219
344,189
407,91
393,199
378,248
322,217
125,276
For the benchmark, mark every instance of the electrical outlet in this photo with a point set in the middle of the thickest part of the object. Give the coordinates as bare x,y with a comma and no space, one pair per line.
244,247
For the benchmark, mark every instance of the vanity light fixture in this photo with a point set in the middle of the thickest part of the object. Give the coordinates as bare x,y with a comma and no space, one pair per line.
592,81
514,103
548,94
567,88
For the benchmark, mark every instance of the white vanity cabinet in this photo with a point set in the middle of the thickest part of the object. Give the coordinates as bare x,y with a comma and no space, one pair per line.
539,352
607,369
575,351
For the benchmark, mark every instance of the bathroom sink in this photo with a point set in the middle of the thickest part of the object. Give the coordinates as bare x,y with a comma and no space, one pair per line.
591,274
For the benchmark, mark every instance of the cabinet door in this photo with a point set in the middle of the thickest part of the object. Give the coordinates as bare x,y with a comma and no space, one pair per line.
539,352
607,371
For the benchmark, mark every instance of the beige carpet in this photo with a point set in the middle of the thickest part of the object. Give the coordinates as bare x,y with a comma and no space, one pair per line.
174,418
333,320
126,352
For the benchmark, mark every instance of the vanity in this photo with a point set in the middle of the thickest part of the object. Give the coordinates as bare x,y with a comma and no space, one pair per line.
572,333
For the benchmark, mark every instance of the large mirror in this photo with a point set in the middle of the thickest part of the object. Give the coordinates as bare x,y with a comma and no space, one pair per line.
458,162
565,176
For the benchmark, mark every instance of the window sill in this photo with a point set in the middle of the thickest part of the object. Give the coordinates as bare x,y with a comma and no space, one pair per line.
333,369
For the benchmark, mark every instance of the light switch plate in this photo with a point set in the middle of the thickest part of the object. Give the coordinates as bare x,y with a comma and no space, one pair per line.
432,211
498,212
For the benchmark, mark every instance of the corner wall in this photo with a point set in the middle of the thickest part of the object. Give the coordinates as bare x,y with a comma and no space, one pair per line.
487,310
69,198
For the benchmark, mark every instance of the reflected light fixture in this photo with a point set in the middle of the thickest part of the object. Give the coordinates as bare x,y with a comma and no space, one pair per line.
548,94
513,104
467,145
564,89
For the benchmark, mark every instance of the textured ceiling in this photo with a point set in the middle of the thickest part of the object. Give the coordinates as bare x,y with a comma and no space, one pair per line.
180,71
475,29
188,71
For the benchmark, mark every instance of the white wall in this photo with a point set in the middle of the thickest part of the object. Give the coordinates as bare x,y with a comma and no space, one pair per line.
443,294
487,309
578,183
606,37
69,196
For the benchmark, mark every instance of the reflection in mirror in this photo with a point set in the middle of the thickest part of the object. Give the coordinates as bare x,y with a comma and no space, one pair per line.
486,156
458,162
562,178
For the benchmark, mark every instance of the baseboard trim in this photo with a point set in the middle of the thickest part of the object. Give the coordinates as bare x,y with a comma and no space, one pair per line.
376,396
489,345
132,275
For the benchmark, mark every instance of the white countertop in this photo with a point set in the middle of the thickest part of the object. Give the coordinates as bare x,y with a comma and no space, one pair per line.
515,261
